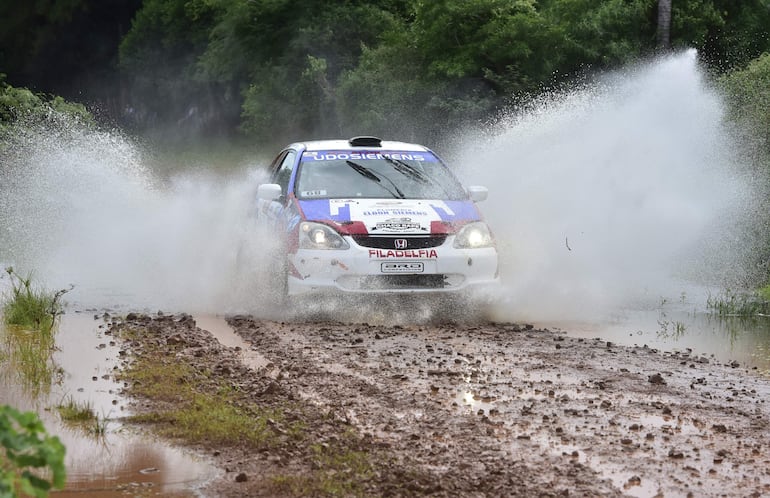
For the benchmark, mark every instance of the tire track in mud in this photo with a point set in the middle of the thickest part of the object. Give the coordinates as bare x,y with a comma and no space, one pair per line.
330,367
500,409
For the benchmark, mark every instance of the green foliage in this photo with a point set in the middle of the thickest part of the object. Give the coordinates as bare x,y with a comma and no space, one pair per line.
159,54
30,355
72,411
764,293
284,69
728,34
27,450
482,38
602,34
30,315
747,92
205,418
291,83
31,308
21,103
194,415
730,303
281,69
82,415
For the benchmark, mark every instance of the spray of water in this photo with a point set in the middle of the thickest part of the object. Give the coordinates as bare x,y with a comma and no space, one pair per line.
598,196
611,194
80,206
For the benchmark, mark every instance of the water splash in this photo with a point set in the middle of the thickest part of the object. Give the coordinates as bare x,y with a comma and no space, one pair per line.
612,193
81,206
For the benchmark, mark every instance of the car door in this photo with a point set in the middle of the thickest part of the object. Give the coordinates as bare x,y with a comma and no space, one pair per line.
272,212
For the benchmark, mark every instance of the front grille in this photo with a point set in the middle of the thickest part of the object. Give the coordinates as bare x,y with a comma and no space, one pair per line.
375,282
390,242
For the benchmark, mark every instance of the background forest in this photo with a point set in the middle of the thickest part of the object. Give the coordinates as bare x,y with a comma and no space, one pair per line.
275,70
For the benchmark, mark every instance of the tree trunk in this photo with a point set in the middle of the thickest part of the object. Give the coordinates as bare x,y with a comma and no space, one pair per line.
664,24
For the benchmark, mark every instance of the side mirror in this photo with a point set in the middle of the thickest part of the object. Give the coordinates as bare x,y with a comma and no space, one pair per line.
269,191
478,193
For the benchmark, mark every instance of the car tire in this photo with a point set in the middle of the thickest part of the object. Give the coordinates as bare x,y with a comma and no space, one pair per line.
278,284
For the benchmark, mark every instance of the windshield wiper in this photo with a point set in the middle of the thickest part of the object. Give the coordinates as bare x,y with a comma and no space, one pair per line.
371,175
413,173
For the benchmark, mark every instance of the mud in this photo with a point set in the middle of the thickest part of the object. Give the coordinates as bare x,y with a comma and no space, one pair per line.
117,461
487,409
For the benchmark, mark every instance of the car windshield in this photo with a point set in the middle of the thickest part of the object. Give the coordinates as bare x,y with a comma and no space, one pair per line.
375,174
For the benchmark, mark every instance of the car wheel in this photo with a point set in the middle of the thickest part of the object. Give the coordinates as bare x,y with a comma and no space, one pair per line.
278,285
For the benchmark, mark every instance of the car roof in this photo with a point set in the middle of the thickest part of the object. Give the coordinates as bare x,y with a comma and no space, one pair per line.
340,144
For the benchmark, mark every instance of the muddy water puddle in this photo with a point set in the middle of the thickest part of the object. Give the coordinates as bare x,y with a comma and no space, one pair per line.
221,330
103,457
723,339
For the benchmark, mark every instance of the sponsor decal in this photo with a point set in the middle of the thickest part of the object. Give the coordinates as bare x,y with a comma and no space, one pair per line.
397,225
407,253
403,267
394,212
372,211
357,156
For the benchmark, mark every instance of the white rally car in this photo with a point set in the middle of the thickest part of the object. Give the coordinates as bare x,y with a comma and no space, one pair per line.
371,216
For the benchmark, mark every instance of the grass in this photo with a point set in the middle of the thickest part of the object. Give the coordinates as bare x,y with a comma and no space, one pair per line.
192,413
31,308
196,407
741,304
30,352
82,415
30,315
211,420
76,412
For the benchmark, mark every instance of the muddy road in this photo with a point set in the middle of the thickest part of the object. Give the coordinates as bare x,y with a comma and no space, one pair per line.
483,409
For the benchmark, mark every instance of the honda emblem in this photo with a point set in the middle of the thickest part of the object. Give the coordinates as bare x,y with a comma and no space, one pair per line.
401,244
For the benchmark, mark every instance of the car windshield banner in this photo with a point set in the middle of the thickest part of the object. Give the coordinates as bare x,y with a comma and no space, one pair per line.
346,155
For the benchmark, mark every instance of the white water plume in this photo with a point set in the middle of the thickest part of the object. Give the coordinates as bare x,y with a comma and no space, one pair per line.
81,207
598,197
610,194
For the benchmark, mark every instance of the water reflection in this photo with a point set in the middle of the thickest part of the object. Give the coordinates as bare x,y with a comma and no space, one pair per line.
725,339
99,463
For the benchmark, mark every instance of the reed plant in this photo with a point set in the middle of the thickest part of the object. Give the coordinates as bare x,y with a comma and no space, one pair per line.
81,414
31,308
74,411
30,315
730,303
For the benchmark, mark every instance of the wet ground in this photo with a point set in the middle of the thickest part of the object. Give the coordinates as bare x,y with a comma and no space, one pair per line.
497,409
725,339
108,459
480,409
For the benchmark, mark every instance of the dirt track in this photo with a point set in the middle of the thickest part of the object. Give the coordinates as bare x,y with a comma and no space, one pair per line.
491,410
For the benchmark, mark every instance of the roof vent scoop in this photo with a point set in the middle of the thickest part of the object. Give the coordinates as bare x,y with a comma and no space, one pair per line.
365,142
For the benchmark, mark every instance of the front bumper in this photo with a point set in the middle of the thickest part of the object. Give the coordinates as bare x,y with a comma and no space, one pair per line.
362,270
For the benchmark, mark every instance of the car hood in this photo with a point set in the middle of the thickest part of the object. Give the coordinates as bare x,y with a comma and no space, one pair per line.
391,216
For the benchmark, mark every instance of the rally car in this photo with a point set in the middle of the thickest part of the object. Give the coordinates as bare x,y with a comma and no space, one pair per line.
371,216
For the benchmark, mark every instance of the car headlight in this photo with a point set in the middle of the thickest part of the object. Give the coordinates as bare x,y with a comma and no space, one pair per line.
474,236
320,236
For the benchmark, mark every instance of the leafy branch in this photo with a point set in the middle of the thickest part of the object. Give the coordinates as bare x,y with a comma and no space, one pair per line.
25,447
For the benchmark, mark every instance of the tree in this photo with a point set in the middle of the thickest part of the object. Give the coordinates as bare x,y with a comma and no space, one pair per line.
747,93
664,24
